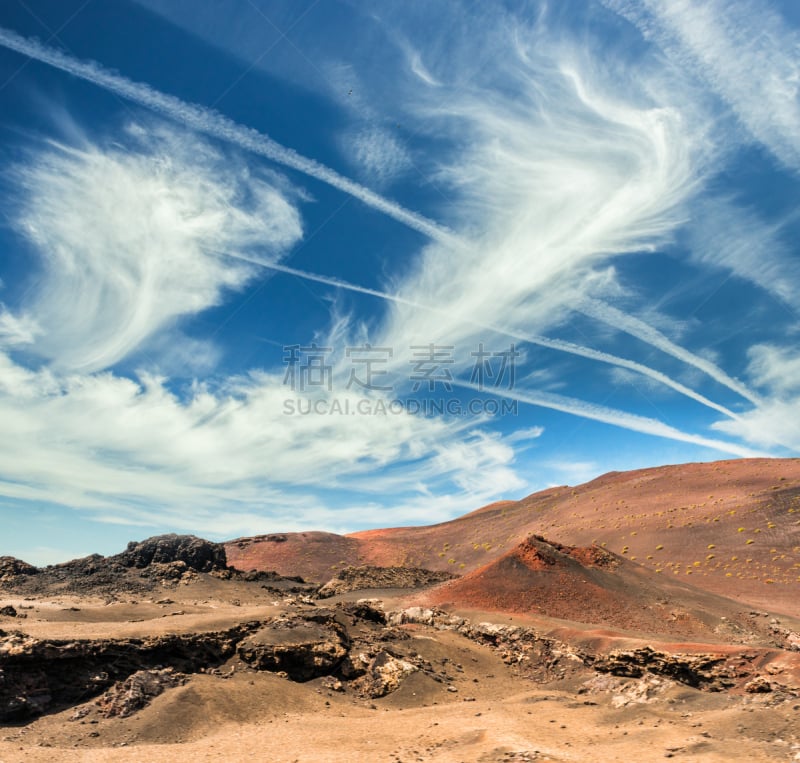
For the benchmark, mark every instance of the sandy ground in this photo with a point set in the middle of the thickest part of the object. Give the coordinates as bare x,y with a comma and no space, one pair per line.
276,721
484,712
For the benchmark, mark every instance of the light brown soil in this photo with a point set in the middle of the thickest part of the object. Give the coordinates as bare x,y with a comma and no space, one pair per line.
566,679
492,713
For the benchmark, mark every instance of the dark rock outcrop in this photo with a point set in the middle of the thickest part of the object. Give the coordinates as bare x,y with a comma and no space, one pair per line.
303,647
365,577
196,553
38,675
706,671
169,559
11,568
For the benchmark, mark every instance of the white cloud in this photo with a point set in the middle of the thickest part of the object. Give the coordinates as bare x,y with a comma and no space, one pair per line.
561,166
744,50
377,152
17,330
775,369
214,124
773,423
419,69
525,435
730,236
558,168
136,452
122,233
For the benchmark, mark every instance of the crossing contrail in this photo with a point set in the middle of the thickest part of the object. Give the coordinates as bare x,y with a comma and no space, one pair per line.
213,123
595,308
542,341
616,417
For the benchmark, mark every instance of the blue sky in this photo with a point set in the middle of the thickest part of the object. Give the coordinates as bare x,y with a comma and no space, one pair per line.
600,197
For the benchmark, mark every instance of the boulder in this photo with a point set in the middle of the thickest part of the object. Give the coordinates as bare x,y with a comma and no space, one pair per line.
196,553
11,568
303,648
124,698
384,674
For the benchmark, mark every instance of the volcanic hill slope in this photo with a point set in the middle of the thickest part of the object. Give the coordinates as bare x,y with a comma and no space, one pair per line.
545,653
593,586
729,527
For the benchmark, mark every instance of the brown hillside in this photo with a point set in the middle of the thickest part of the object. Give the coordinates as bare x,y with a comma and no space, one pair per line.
730,527
590,585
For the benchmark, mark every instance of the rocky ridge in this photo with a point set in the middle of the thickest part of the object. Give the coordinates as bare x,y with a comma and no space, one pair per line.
366,577
354,647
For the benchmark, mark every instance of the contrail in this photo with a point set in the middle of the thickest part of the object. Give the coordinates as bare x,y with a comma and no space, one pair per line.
215,124
635,327
616,418
542,341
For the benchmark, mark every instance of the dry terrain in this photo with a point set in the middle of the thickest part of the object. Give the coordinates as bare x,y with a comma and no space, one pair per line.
536,630
730,527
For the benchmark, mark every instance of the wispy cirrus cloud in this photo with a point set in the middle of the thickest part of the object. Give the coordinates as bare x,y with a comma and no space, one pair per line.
776,371
556,173
128,450
119,230
16,330
210,122
730,236
744,50
377,152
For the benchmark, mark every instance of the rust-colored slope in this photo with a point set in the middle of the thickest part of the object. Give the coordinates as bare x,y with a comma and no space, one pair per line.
731,527
690,522
590,585
312,555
